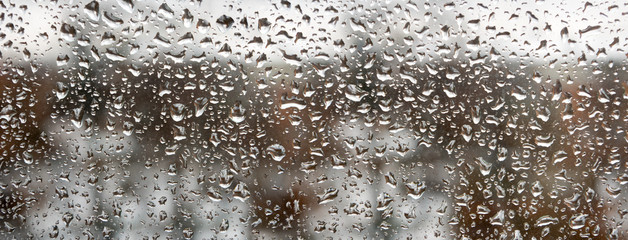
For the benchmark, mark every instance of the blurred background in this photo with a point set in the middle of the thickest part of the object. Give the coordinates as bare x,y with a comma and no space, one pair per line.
135,119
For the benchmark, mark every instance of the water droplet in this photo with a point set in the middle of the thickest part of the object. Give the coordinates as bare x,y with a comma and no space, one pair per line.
237,114
578,221
92,10
329,195
276,151
224,23
177,112
416,189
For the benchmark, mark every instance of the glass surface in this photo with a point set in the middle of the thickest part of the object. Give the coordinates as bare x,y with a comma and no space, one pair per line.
138,119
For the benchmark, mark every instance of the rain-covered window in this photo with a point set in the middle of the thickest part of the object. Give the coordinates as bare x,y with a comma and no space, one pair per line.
288,119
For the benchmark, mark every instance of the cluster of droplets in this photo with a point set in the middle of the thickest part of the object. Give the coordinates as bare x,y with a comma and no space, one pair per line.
399,119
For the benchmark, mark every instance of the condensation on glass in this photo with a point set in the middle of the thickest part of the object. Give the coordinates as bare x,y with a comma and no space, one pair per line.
132,119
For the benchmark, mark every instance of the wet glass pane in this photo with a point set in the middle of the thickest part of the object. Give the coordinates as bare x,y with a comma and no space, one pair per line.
191,119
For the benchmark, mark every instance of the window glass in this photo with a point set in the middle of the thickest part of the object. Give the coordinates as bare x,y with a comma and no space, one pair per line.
343,119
